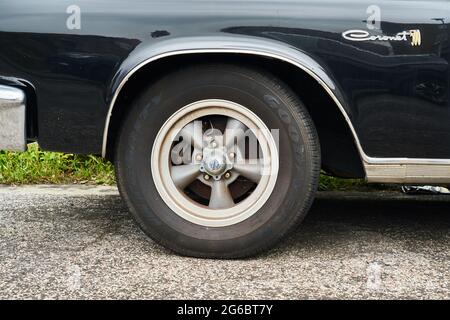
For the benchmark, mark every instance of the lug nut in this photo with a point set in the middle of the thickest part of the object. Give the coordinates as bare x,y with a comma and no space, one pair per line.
232,155
199,157
227,175
206,177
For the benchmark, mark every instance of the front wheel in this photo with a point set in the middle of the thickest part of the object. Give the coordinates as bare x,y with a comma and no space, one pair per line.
218,161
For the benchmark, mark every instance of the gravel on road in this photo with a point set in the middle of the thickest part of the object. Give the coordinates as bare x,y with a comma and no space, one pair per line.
80,243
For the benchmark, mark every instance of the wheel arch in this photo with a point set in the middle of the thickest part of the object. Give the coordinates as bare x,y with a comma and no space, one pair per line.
146,57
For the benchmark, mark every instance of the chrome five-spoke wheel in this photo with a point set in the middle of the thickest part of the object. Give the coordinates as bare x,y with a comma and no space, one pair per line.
215,163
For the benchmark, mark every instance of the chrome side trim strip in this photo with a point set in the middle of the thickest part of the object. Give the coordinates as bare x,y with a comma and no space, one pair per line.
407,170
408,173
412,161
12,119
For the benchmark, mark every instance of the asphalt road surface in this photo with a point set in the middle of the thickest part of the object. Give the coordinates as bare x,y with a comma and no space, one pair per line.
80,243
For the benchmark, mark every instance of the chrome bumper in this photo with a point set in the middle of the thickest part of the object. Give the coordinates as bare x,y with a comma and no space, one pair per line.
12,119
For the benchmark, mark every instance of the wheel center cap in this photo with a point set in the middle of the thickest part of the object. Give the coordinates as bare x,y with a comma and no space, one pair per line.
215,162
215,165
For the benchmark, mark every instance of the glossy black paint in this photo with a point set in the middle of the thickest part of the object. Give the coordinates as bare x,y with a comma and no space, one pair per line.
396,95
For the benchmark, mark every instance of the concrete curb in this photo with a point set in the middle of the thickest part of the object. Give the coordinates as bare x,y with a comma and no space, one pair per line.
62,190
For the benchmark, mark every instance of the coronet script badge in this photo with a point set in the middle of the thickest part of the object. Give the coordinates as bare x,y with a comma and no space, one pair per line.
414,36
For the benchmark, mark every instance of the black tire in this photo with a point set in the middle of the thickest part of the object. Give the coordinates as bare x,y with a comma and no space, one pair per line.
275,104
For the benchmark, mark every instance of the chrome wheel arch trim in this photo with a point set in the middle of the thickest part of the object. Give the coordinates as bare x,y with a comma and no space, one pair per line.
285,53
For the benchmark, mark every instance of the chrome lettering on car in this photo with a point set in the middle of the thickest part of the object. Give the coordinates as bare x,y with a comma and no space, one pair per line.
414,36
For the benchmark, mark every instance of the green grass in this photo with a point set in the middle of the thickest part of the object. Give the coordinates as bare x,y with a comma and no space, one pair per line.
328,183
38,167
